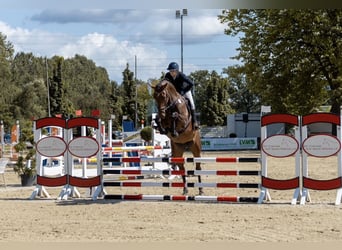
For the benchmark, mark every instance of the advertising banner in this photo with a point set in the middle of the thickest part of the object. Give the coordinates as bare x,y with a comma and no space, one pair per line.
212,144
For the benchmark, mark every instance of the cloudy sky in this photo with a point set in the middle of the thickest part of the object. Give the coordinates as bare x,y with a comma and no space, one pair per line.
113,35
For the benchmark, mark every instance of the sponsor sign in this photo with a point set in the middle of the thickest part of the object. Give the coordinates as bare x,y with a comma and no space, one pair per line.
280,146
211,144
321,145
83,147
51,146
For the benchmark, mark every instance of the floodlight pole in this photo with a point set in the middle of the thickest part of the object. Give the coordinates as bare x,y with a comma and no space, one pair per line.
180,15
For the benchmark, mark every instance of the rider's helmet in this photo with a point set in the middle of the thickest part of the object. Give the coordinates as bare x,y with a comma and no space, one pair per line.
173,66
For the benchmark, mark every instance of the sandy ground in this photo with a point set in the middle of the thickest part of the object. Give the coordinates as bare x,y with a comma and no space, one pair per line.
84,220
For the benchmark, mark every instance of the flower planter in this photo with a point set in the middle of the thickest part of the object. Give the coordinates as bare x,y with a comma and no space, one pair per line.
27,180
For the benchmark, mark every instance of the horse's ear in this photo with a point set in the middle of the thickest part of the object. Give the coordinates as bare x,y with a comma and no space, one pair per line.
162,85
153,87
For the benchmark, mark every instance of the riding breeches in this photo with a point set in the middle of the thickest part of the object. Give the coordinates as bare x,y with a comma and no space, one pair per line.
188,95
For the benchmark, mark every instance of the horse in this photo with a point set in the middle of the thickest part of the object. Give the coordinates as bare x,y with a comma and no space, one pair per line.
174,120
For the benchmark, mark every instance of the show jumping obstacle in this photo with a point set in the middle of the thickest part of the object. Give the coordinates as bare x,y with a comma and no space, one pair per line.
329,146
65,145
113,172
279,146
301,145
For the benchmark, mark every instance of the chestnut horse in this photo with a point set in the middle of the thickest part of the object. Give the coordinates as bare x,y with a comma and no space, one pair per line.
174,120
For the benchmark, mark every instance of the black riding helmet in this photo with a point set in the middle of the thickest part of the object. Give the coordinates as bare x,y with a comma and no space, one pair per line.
173,66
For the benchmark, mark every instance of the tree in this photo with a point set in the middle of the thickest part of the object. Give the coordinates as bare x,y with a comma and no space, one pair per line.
32,100
201,78
8,89
241,98
211,97
115,105
143,100
28,73
292,57
58,103
87,86
129,93
215,107
26,68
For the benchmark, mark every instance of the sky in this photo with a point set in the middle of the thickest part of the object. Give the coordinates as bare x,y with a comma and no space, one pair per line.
147,37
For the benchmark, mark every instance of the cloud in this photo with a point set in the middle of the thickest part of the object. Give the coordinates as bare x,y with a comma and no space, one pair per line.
114,55
89,16
200,26
113,38
105,50
37,41
196,29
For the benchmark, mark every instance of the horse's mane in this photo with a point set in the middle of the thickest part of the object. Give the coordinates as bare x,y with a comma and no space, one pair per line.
165,83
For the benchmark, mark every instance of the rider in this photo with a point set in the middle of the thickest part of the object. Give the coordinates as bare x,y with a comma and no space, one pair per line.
183,85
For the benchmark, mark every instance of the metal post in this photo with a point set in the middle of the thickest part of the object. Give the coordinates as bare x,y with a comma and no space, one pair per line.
48,87
179,15
182,43
136,95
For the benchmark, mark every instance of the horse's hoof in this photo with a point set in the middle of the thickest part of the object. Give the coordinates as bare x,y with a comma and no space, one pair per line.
201,192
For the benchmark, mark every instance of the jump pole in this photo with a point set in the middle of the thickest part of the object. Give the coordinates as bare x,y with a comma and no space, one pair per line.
111,183
143,197
183,159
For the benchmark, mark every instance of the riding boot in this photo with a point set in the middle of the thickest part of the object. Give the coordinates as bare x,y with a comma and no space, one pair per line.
194,120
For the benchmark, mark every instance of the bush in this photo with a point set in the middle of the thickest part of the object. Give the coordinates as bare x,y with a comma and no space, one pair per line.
146,133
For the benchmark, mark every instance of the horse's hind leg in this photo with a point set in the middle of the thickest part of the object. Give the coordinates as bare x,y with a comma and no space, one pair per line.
196,151
177,151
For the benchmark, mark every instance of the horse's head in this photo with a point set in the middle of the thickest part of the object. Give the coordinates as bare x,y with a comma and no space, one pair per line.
174,116
162,97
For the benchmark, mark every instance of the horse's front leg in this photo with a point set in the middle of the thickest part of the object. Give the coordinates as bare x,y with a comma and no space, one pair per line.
174,133
185,188
198,167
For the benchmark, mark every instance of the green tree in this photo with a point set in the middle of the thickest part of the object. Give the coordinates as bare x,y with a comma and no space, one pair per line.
241,98
129,93
143,100
8,89
31,101
201,79
27,73
26,68
292,57
211,97
216,107
115,105
57,90
87,86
